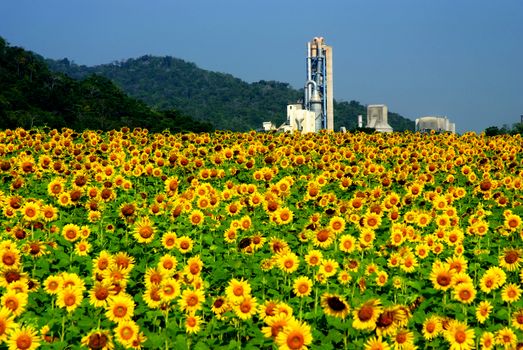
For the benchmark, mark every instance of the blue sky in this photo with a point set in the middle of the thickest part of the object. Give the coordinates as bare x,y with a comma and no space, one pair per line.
462,59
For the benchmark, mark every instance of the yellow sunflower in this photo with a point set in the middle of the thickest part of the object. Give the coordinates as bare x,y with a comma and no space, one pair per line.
334,305
506,338
366,315
302,286
487,341
69,298
237,290
120,308
511,258
191,300
296,335
7,323
288,262
246,308
511,293
441,276
193,323
347,243
126,332
432,327
15,302
464,293
100,294
144,230
71,232
169,240
483,311
24,337
374,343
459,336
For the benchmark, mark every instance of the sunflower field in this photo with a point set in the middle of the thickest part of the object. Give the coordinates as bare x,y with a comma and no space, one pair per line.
128,240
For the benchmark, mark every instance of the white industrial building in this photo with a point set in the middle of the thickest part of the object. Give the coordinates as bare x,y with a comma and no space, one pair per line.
435,123
377,118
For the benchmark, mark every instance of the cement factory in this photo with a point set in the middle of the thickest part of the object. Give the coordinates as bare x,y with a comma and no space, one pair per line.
316,112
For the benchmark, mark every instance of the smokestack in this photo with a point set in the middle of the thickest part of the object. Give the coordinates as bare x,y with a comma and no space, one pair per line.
360,121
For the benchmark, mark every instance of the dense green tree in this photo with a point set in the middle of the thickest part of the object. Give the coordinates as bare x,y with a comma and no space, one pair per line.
226,101
31,95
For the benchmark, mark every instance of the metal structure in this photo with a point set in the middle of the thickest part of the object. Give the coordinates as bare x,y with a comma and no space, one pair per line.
317,110
318,87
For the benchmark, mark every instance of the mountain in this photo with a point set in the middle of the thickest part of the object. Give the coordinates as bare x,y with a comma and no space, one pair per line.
32,95
225,101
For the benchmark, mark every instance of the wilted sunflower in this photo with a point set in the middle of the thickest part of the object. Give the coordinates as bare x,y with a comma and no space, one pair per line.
98,339
334,305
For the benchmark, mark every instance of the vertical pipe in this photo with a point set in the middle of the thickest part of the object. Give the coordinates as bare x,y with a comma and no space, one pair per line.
308,92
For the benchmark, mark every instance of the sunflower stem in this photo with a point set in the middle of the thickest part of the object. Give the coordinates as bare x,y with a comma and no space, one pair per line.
63,329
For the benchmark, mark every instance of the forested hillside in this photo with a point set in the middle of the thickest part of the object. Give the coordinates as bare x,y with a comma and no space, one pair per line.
31,95
226,101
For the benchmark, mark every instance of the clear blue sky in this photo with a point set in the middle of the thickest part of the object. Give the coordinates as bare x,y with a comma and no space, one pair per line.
462,59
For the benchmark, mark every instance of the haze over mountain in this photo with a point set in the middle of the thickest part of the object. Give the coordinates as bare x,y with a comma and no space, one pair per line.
221,99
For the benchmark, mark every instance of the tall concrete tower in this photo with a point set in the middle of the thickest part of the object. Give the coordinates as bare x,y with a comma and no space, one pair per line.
319,88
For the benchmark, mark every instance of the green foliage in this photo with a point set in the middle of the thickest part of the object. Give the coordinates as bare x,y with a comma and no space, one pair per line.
517,128
32,96
226,101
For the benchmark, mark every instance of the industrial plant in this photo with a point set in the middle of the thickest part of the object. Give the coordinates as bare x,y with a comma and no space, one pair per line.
316,111
435,123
